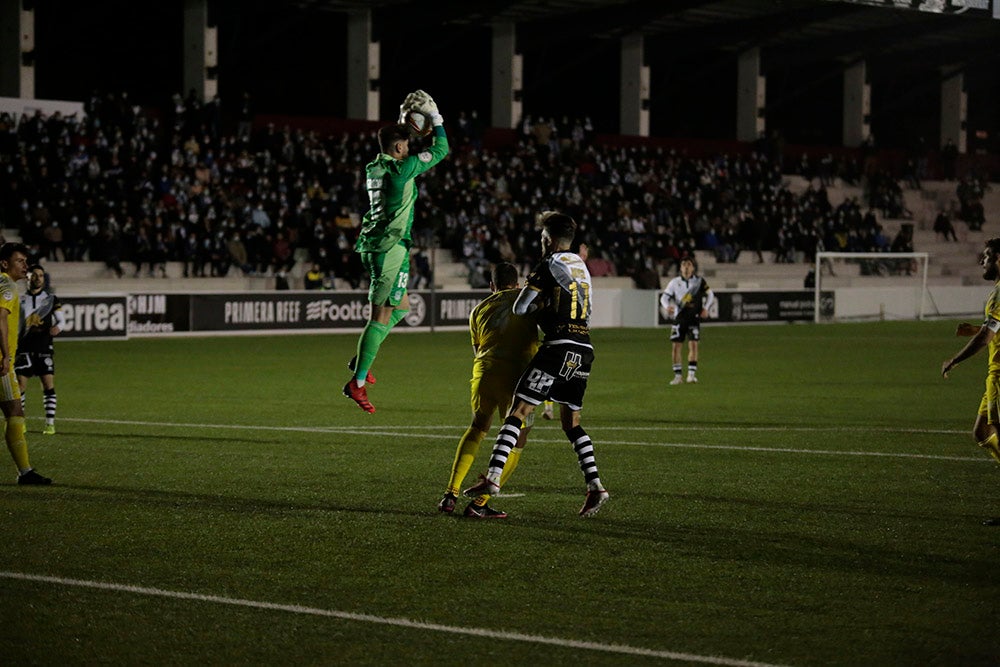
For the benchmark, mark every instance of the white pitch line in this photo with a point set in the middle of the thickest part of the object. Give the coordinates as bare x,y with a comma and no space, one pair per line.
681,427
382,620
787,450
450,428
350,430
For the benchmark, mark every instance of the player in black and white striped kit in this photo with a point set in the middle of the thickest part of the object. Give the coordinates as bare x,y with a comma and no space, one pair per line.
686,300
558,291
42,319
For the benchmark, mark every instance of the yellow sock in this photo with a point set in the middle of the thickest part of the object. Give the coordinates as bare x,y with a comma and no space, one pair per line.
508,468
468,447
18,446
992,445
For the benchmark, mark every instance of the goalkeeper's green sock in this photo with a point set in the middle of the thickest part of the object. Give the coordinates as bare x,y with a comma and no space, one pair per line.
396,317
368,346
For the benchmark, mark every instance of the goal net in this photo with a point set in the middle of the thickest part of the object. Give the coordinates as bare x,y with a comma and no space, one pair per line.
870,286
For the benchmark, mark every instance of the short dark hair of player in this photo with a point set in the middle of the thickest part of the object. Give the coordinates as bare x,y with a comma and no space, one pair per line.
504,275
994,245
390,134
694,262
560,226
8,249
35,265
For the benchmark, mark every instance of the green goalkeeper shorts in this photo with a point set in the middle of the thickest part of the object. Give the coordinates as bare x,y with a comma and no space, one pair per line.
389,272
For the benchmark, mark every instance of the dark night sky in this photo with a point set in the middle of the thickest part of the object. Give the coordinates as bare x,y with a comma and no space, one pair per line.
293,61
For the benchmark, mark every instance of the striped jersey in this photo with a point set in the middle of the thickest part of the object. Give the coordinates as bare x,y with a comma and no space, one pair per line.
565,290
41,311
687,294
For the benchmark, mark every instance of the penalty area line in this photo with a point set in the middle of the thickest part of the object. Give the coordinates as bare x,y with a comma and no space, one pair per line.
383,620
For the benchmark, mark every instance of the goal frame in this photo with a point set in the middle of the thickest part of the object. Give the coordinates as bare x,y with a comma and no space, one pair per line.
820,256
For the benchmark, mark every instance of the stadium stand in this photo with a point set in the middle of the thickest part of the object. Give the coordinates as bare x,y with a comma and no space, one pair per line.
119,196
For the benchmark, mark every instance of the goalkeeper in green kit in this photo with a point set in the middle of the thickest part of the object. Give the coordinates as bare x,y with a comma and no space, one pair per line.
385,239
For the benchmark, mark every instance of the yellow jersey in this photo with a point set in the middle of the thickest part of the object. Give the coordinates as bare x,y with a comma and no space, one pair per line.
993,312
500,337
11,300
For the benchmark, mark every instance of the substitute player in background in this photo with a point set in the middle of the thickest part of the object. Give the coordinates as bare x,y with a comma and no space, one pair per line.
43,319
14,267
558,290
385,238
686,300
985,335
503,343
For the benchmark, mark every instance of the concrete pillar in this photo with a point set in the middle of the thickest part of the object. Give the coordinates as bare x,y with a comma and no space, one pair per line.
857,105
363,67
201,52
750,96
634,97
954,111
17,50
507,66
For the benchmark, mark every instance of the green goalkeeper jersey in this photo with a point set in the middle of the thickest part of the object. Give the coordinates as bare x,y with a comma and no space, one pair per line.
392,192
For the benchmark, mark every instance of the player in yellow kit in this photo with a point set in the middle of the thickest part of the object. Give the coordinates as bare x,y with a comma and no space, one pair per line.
985,429
503,344
14,267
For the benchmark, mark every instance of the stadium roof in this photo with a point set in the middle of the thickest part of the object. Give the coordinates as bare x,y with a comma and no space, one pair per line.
895,33
290,55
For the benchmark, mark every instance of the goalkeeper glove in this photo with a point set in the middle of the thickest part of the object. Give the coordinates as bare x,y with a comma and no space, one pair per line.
410,103
428,106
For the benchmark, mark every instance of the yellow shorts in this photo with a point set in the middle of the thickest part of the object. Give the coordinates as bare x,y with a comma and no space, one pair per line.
494,391
988,406
9,389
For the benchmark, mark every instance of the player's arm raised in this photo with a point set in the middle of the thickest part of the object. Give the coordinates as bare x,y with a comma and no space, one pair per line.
424,160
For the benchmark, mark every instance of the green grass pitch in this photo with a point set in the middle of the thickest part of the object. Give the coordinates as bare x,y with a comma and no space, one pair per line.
816,499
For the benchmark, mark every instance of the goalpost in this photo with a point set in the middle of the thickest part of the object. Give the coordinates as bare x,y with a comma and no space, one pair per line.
875,264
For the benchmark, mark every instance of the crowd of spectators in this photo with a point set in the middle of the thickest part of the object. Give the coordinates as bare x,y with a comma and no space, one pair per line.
135,191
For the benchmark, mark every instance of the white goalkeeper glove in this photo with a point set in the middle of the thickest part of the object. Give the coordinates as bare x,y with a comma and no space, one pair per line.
411,102
427,105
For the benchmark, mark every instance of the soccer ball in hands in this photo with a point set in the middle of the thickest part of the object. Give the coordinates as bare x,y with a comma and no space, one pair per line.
418,123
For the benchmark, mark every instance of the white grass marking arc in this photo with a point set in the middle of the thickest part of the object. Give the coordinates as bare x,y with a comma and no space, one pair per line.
355,430
383,620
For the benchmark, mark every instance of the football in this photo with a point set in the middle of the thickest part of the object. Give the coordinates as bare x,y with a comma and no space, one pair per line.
419,123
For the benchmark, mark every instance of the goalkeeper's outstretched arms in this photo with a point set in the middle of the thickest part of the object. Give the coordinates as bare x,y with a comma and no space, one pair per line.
429,108
420,101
